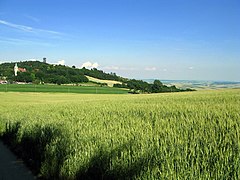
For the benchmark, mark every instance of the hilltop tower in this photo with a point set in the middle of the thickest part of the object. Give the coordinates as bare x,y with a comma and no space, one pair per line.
15,69
45,60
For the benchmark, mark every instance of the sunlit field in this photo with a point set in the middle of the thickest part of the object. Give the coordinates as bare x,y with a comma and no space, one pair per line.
188,135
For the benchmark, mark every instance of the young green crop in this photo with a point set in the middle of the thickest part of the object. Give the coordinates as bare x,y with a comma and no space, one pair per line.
192,135
61,89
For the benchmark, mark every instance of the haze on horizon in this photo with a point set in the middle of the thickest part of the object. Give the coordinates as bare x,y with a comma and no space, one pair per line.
144,39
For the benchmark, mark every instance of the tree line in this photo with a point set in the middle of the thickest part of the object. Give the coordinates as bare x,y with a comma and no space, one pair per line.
139,86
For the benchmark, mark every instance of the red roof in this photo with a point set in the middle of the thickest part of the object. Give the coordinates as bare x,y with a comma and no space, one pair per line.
22,70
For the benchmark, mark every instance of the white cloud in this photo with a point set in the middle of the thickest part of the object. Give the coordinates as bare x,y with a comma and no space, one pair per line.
27,28
22,42
190,68
150,69
61,62
86,64
95,65
17,26
90,65
165,70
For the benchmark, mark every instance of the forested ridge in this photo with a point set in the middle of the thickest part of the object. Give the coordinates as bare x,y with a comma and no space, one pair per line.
39,73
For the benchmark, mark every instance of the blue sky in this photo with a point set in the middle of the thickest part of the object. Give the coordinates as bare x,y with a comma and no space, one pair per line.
164,39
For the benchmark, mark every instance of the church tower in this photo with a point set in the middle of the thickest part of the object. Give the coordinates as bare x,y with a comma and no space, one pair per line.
15,69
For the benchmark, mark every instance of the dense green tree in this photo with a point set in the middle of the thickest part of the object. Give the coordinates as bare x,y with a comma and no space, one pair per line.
24,77
157,86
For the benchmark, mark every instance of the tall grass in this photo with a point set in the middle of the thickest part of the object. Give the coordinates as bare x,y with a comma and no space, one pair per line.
192,135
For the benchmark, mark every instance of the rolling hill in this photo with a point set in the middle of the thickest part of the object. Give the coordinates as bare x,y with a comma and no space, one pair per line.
36,72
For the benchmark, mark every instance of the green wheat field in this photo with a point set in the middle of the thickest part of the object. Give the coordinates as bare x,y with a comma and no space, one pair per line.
190,135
